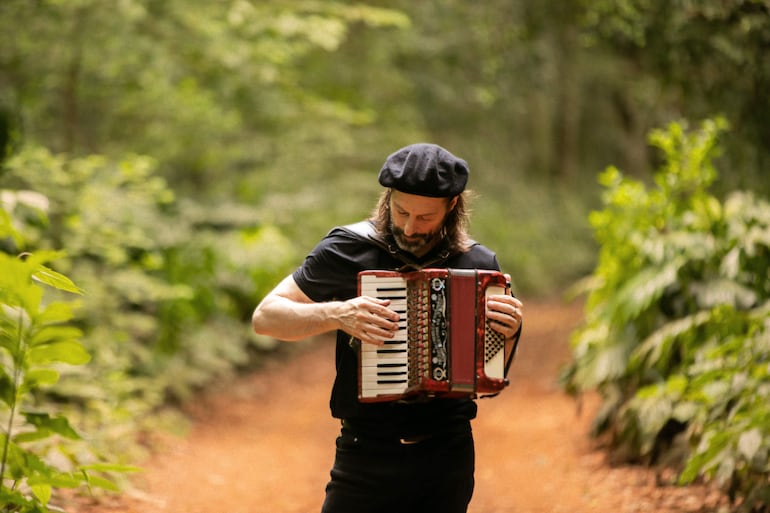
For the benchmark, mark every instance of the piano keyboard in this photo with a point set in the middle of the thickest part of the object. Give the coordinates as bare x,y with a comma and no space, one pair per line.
385,368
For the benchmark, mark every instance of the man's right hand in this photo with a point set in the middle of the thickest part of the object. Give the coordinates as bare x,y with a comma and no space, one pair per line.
369,319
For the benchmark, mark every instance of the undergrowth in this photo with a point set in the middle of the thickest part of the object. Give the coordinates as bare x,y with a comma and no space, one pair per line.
676,337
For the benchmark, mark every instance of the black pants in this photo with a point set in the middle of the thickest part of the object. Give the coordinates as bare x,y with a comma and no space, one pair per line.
372,475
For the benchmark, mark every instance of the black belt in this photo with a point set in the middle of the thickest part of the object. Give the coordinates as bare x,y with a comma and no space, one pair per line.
385,438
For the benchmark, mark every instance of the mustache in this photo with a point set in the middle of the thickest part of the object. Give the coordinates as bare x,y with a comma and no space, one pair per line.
416,242
424,237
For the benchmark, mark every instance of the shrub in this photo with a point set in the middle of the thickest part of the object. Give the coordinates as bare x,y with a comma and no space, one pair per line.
169,287
676,337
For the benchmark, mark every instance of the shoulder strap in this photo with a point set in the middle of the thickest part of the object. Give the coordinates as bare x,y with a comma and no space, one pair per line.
365,230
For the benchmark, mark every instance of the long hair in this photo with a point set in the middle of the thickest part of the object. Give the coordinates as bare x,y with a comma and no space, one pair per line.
455,229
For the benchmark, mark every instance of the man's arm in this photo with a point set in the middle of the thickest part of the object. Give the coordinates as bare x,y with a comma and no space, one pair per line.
287,313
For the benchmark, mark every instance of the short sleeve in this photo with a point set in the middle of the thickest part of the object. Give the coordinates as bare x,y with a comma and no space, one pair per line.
330,270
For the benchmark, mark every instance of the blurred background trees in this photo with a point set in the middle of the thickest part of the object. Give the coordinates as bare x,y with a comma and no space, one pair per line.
187,154
285,108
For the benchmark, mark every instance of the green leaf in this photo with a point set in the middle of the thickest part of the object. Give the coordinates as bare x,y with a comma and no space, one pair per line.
68,351
749,443
59,425
657,345
111,467
49,334
684,412
653,413
644,289
42,491
38,258
55,312
37,377
676,385
726,468
9,497
7,389
28,297
708,456
31,436
55,479
8,230
712,293
101,482
50,277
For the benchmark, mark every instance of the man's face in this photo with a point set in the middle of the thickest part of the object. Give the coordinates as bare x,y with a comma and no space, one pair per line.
416,221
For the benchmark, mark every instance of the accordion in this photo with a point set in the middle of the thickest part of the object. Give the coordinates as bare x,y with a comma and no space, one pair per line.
444,346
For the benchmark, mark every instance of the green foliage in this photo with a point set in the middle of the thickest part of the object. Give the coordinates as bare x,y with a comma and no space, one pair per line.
707,57
288,106
35,341
532,231
677,331
210,89
165,279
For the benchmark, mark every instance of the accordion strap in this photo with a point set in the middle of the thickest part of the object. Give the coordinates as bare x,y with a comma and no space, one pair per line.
508,363
366,230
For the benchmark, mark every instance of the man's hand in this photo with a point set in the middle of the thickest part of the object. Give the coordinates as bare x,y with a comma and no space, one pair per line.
369,319
505,314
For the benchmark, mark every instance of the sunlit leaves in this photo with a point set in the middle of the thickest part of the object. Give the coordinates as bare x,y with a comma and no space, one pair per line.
34,339
65,351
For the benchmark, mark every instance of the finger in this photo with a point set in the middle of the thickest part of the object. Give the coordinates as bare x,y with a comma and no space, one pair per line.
376,300
505,322
507,305
375,335
367,339
501,304
506,330
385,320
380,307
388,314
382,328
501,318
509,300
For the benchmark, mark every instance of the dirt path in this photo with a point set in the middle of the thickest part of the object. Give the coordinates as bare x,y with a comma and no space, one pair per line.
265,444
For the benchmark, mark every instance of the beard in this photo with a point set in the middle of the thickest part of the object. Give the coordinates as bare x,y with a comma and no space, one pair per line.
417,242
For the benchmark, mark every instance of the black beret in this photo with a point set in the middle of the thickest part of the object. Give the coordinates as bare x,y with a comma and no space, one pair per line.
426,170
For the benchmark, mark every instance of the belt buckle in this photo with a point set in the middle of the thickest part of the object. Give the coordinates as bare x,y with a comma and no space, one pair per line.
412,440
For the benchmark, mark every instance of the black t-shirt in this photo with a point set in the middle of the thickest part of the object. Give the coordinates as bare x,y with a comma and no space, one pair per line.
330,273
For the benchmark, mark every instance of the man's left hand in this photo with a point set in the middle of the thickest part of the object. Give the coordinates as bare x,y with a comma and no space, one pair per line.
505,314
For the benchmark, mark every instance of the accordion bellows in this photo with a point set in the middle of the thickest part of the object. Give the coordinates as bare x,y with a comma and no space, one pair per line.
444,347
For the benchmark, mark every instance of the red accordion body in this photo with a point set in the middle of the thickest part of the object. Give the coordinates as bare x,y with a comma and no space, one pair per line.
444,346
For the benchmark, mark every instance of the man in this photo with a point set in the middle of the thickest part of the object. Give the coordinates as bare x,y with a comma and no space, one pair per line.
400,456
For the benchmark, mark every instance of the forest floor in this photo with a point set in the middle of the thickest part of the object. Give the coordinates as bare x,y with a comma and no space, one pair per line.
265,443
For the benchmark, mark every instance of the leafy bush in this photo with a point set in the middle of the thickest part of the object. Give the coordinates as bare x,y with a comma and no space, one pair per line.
170,284
35,340
676,337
